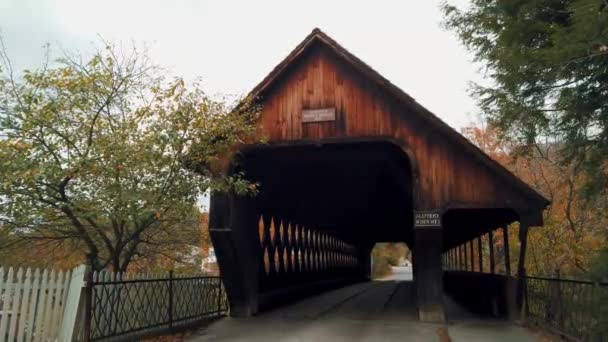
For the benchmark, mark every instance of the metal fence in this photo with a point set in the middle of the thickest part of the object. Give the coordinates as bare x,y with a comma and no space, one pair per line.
576,309
124,306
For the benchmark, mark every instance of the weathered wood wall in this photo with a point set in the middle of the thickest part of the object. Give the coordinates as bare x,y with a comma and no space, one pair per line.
447,175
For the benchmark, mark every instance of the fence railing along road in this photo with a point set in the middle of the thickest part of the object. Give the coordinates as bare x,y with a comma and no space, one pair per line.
578,309
47,305
130,305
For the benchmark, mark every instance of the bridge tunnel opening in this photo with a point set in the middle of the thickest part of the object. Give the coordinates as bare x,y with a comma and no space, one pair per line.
392,260
321,209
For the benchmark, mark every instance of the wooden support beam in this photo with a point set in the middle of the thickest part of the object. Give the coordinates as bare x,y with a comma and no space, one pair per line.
505,235
429,275
472,256
463,257
233,230
480,254
524,224
523,243
452,261
466,257
491,247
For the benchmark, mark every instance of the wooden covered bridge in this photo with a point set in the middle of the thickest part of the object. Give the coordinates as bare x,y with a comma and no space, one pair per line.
352,160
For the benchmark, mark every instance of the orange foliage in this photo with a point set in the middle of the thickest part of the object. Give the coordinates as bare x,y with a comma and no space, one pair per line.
575,227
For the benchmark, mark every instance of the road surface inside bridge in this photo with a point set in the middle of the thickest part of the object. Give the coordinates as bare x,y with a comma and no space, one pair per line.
380,310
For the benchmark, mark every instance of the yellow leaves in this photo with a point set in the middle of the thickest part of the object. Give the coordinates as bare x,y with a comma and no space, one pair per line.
95,61
19,145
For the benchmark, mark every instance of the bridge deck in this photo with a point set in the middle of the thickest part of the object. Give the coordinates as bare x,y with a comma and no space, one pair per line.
373,311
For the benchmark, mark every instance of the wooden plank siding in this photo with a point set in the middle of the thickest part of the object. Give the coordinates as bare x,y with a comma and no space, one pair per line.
447,175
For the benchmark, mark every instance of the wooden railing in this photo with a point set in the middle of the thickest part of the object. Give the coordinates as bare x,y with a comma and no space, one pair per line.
292,254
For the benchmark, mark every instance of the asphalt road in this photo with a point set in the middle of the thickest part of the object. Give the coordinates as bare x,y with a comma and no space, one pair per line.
372,311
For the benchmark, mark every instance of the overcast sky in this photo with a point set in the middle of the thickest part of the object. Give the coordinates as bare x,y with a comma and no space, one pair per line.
232,45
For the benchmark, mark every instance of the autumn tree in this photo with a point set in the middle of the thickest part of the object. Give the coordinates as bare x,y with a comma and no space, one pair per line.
546,63
385,255
93,153
576,226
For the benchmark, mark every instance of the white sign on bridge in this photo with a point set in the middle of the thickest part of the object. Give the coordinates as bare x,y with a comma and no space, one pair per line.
427,218
318,115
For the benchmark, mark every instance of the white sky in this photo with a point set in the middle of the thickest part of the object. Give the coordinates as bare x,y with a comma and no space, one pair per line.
232,45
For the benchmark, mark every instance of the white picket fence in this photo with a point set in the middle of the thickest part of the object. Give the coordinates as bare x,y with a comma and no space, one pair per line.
39,305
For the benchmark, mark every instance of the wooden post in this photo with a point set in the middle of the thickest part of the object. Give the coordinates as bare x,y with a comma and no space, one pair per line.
75,304
428,273
233,222
480,254
463,257
491,247
472,256
521,267
466,256
523,243
452,259
505,235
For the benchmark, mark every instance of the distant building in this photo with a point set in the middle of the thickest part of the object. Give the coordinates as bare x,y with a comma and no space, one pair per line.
209,263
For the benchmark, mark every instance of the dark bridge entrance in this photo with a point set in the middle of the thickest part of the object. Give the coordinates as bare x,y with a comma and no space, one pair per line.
322,208
360,192
351,160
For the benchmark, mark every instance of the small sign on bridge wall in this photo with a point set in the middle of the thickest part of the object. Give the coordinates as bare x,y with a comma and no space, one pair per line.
427,218
318,115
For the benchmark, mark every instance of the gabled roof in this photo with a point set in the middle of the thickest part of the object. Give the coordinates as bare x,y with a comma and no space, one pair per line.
318,36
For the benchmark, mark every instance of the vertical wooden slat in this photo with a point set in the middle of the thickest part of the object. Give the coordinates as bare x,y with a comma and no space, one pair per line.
57,303
23,312
50,288
505,235
466,257
463,257
38,331
491,247
65,294
452,259
472,256
31,313
6,301
74,298
16,301
480,253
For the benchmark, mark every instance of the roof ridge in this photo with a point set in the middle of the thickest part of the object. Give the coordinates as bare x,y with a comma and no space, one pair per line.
423,112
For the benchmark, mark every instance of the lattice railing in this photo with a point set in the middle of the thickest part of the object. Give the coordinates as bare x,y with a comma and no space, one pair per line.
131,305
290,251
